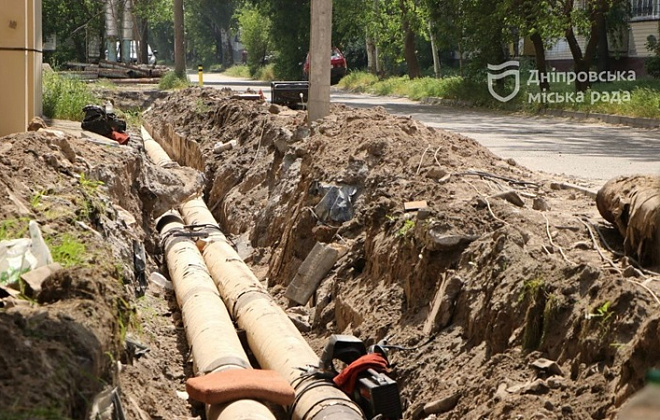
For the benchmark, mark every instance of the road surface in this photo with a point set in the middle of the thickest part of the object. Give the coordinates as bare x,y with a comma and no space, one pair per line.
593,152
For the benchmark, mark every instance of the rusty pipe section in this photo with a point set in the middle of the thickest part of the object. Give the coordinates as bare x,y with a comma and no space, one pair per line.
275,341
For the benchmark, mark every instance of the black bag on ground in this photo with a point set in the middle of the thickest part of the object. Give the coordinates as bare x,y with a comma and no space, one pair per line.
100,122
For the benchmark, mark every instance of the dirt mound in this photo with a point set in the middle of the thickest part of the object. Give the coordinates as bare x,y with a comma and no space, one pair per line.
502,265
65,344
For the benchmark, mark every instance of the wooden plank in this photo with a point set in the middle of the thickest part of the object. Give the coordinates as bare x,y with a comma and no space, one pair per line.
415,205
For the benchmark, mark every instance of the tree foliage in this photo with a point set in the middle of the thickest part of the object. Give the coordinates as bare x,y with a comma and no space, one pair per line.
255,29
73,22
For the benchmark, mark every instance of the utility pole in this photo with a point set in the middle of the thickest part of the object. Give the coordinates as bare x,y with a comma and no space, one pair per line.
179,48
320,49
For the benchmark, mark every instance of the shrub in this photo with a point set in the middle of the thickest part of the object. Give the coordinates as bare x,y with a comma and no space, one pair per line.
64,97
171,81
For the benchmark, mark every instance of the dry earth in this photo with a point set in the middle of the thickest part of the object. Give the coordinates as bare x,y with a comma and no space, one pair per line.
512,284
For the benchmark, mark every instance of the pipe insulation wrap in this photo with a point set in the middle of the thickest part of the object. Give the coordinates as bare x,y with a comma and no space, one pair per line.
275,341
154,150
209,328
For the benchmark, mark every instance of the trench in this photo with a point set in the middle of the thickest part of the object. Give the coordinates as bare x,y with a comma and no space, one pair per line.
272,337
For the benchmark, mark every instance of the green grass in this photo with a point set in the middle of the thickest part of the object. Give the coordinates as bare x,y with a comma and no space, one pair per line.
266,72
34,414
67,250
64,97
238,71
644,93
13,228
171,81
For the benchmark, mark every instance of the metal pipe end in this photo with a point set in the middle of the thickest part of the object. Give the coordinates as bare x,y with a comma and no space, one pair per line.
167,218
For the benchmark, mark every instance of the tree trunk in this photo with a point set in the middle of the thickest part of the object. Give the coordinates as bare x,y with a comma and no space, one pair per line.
371,55
539,55
409,44
179,45
603,47
582,62
229,56
434,50
142,30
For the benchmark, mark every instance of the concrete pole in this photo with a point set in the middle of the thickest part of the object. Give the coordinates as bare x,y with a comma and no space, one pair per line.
320,49
275,341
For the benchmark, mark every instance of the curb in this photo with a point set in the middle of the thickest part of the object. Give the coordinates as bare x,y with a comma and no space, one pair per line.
635,122
606,118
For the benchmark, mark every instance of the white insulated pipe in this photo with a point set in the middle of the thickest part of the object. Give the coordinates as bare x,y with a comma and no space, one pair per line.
154,150
209,329
275,341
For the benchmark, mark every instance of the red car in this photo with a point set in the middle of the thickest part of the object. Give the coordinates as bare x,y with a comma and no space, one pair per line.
338,63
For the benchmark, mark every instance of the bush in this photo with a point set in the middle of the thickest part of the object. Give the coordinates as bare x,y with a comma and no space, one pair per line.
265,73
238,71
652,63
64,97
171,81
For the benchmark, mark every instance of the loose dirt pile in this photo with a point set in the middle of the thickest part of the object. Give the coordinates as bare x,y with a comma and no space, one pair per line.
502,273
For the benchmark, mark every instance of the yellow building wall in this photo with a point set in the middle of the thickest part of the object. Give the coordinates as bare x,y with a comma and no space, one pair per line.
639,31
20,64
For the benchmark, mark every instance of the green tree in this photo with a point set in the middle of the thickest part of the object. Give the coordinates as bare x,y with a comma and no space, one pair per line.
255,35
72,21
148,15
209,30
591,19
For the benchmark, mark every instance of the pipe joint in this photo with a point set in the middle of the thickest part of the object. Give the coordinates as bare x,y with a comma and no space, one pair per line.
246,297
329,407
192,232
225,363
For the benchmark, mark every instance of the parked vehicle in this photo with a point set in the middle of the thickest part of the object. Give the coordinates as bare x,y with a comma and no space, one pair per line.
338,66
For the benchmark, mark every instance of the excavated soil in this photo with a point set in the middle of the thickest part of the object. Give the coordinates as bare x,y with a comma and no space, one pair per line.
504,272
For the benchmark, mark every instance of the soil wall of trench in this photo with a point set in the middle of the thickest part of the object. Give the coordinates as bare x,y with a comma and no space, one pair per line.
74,337
500,274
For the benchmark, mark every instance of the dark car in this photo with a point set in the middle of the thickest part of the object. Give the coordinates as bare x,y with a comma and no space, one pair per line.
338,66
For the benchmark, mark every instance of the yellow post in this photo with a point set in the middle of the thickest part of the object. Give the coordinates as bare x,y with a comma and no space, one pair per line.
200,71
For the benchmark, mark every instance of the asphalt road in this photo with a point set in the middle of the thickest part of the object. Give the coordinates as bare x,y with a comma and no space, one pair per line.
592,152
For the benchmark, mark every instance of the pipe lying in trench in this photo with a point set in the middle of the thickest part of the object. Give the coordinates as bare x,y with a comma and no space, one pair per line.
209,328
275,341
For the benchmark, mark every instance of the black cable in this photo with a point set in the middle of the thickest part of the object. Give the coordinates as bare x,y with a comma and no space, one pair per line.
419,346
20,49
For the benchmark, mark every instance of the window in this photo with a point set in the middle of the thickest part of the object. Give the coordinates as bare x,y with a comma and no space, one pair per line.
645,9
